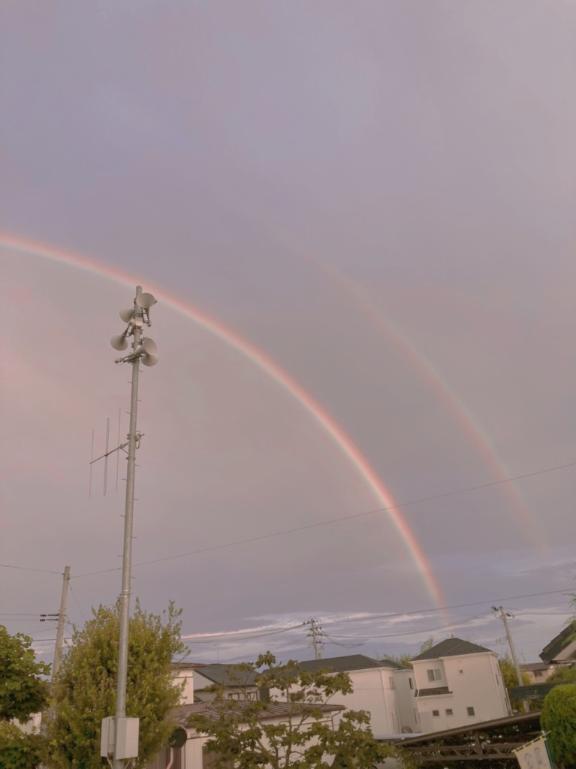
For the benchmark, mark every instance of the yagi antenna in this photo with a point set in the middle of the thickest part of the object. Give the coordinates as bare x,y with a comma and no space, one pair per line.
105,456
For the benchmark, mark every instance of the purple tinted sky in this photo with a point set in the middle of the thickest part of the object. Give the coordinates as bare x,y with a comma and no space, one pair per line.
244,155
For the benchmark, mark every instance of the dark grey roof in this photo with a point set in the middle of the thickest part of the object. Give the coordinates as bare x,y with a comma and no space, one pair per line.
432,691
552,649
228,675
386,663
182,713
451,647
340,664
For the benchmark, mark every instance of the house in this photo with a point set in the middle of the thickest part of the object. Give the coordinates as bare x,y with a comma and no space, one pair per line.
233,682
536,672
457,683
191,753
183,675
562,648
374,688
406,705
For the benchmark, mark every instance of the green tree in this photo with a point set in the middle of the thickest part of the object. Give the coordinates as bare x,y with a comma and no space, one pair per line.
17,749
563,675
22,689
559,720
85,688
242,736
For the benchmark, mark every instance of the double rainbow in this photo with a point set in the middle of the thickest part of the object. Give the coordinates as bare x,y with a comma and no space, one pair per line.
273,370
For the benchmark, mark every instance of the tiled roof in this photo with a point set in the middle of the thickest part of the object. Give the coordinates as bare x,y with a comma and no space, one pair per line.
228,675
451,647
340,664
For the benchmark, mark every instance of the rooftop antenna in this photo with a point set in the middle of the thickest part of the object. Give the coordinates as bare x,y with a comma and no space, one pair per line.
119,736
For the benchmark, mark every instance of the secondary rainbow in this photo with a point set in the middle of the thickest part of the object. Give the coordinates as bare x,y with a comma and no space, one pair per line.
266,364
530,527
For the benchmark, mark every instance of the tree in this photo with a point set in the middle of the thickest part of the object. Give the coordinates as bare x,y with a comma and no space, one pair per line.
243,736
22,689
563,675
17,749
85,688
559,720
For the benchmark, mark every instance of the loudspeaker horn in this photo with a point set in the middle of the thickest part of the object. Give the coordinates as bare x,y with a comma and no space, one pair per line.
149,359
126,315
119,342
148,350
145,301
148,345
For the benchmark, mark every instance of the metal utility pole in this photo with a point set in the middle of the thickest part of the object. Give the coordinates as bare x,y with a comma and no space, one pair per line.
59,647
503,614
121,737
316,634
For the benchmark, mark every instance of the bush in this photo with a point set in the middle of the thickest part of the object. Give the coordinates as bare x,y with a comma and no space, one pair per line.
559,720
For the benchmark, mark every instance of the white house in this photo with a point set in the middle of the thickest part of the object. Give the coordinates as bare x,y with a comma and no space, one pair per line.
406,705
183,675
192,753
374,689
233,682
457,683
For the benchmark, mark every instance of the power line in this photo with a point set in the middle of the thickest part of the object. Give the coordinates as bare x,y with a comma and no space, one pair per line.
391,615
330,521
219,637
28,568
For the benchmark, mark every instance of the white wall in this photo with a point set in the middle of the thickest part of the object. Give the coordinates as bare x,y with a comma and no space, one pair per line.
374,691
406,705
184,677
474,681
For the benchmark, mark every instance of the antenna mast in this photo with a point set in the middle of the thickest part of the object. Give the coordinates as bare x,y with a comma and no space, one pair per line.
120,734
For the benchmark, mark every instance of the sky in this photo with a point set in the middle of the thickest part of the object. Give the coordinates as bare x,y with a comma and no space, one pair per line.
376,196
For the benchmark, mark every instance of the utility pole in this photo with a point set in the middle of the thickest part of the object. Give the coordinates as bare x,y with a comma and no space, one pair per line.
503,614
316,634
59,646
120,734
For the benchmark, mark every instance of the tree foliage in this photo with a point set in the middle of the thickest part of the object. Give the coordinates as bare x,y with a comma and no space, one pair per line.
22,689
85,688
559,720
563,675
17,749
306,734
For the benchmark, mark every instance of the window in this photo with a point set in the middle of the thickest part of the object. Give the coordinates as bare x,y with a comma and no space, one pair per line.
410,683
537,674
449,712
470,710
434,675
435,713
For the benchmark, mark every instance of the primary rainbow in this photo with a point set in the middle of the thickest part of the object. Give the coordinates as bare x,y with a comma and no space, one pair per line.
266,364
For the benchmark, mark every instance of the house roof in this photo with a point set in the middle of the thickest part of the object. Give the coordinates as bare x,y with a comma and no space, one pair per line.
340,664
270,710
553,649
534,666
387,663
451,647
227,675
